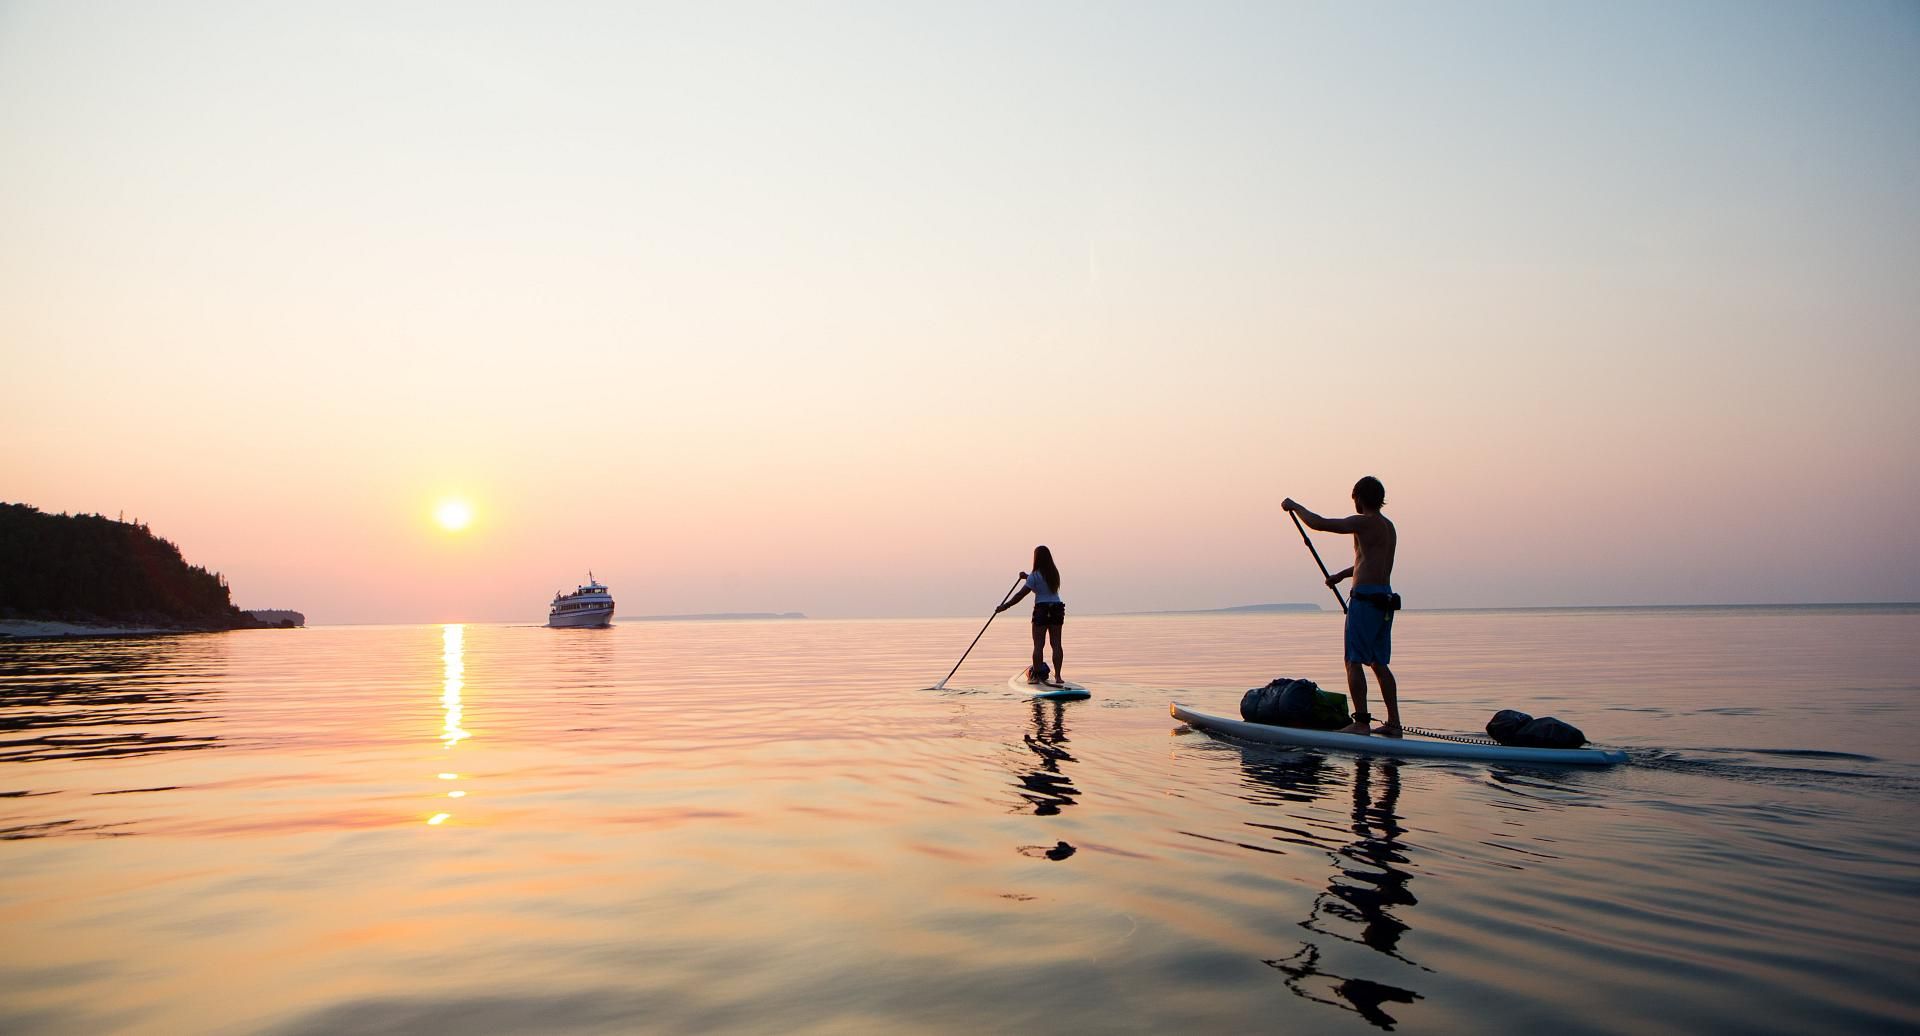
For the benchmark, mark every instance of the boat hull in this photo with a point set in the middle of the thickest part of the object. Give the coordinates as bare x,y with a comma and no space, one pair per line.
586,617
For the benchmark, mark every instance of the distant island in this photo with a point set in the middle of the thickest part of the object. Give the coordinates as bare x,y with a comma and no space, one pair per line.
1238,609
87,573
711,617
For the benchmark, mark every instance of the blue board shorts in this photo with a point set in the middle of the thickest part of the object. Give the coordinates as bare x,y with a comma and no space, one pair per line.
1369,627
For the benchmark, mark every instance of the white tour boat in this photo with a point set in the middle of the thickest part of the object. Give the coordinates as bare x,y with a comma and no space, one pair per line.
590,605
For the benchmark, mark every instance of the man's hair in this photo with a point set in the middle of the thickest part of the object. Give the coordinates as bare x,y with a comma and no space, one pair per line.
1369,494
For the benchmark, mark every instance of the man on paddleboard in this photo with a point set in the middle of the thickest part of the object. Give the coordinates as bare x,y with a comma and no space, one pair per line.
1370,615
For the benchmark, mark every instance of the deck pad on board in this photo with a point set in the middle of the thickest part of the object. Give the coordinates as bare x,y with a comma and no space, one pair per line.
1067,691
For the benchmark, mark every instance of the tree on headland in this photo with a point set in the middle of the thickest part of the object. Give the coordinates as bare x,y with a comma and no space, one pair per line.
91,568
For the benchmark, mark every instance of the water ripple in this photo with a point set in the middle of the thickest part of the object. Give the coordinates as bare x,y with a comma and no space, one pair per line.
772,826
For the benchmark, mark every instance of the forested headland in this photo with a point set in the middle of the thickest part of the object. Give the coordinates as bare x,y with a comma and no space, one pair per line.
88,568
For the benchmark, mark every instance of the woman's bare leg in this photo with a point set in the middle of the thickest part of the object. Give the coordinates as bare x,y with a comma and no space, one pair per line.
1059,655
1039,644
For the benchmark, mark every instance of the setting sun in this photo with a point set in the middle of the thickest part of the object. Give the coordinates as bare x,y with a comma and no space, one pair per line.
453,515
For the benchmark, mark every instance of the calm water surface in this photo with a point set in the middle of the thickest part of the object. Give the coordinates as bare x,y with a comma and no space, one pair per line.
772,827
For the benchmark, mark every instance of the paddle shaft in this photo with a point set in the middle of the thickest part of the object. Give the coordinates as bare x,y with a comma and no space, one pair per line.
976,637
1316,560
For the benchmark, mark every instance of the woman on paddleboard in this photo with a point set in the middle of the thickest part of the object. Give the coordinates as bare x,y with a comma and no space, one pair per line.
1049,613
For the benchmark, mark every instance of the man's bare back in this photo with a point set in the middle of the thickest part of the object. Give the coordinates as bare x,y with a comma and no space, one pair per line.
1373,541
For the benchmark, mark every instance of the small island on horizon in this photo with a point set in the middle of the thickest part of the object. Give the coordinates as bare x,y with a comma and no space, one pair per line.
1238,609
713,617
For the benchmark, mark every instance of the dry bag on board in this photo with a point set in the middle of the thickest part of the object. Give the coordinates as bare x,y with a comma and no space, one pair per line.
1516,728
1295,703
1330,710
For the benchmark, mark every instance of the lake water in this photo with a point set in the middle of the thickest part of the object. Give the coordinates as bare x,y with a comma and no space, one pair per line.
773,827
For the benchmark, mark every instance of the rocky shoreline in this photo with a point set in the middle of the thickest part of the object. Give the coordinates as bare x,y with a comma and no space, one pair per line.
33,629
52,629
64,629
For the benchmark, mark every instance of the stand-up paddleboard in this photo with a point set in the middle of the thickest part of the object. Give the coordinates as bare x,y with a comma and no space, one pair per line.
1409,745
1048,691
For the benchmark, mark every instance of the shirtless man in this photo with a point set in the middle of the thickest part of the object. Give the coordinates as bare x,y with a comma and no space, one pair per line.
1370,615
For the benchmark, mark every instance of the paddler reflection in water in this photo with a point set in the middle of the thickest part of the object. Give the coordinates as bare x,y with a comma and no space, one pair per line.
1370,614
1049,614
1369,881
1048,789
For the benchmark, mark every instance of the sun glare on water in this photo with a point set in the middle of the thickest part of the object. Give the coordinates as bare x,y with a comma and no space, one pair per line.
453,515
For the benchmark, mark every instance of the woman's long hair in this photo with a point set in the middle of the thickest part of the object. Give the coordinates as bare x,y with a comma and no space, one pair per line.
1043,564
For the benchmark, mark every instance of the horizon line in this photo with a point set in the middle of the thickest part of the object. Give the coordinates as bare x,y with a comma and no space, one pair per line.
777,617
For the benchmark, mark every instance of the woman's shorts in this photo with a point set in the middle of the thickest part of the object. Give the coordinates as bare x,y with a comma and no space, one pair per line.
1049,614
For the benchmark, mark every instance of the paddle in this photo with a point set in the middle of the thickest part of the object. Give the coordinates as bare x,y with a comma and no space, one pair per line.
1317,561
942,685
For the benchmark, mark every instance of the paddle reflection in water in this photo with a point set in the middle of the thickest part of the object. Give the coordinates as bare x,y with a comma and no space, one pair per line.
1367,882
1047,790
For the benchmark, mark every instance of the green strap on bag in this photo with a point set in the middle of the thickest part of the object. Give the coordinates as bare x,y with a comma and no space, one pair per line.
1330,710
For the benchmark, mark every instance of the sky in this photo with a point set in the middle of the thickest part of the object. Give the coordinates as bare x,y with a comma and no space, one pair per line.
842,308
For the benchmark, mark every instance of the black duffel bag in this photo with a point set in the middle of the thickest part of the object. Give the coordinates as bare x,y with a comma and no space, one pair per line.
1516,728
1283,702
1295,703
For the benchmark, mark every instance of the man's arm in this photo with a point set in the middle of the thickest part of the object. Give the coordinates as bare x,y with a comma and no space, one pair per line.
1348,525
1345,573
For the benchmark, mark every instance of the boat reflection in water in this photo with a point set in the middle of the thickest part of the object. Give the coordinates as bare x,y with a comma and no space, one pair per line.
1367,884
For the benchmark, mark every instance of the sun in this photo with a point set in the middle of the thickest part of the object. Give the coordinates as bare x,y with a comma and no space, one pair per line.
453,515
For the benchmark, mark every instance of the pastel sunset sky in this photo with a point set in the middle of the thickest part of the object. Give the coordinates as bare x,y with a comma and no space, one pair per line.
841,308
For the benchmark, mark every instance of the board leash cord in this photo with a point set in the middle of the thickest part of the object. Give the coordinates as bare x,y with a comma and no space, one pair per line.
1465,739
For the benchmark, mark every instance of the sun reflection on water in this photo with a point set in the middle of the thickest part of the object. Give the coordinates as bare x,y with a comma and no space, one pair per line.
453,670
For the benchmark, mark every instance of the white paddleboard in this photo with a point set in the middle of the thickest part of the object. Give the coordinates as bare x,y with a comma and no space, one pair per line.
1408,745
1068,691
